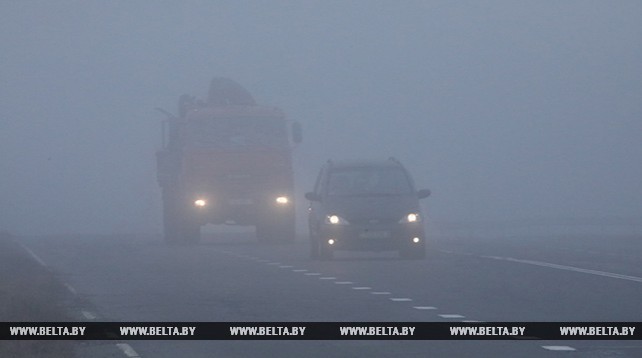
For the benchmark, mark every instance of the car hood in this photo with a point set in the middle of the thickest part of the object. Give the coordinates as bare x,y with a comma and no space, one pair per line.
364,208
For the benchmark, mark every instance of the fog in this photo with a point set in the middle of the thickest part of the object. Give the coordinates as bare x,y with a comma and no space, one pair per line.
505,110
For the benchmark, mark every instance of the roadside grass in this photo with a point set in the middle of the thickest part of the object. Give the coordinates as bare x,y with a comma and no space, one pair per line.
29,293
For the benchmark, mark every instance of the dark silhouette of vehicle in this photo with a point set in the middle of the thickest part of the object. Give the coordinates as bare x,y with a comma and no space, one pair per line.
366,205
227,161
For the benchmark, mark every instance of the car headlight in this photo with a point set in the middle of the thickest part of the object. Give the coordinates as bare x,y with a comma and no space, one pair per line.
335,220
411,218
282,200
200,203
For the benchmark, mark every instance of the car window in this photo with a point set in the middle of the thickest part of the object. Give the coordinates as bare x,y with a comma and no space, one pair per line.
368,181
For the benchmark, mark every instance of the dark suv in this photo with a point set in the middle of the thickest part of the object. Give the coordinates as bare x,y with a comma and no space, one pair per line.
367,205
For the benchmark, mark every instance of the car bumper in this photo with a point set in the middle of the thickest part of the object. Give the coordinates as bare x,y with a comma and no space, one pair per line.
373,237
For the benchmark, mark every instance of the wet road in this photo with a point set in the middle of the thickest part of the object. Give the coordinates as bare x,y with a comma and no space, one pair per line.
230,277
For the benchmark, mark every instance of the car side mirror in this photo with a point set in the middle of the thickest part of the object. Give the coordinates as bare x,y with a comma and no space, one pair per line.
297,133
423,193
313,196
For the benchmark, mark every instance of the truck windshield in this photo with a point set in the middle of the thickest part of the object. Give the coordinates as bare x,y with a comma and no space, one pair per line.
233,133
368,182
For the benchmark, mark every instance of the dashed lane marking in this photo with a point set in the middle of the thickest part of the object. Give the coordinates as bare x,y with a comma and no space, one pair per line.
88,315
559,348
128,350
132,354
71,289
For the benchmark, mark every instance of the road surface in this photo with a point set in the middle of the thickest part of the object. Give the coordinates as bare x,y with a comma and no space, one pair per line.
231,277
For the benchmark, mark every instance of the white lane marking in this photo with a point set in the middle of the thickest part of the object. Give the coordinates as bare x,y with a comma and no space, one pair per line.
327,278
451,316
362,288
344,283
128,350
471,321
300,270
568,268
425,308
71,289
313,274
381,293
559,348
285,266
274,263
401,299
88,315
34,256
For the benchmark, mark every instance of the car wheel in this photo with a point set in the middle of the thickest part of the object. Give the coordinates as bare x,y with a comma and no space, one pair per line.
314,248
325,251
413,252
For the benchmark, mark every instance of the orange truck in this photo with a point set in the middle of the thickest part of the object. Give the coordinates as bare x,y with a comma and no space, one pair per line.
227,160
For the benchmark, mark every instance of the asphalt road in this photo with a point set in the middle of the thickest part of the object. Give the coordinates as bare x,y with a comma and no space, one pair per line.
230,277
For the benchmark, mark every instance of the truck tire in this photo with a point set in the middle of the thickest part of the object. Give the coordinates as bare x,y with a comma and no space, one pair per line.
170,220
314,247
280,231
190,231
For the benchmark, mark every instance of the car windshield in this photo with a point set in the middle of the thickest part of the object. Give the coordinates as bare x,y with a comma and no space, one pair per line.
233,133
366,181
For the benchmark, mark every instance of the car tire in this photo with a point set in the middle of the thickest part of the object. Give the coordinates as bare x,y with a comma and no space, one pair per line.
325,252
413,253
314,248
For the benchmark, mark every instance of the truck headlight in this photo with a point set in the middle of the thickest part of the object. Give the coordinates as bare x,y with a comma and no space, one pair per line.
411,218
200,203
282,200
335,220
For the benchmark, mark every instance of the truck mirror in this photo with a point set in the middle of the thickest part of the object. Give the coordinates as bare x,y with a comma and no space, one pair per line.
423,193
313,196
297,132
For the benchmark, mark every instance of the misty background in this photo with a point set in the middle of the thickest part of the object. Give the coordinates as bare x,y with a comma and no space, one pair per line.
505,110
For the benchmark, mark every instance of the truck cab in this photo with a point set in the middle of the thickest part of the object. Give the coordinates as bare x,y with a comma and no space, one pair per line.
227,161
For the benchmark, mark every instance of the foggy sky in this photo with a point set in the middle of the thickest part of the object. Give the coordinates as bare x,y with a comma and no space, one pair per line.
503,109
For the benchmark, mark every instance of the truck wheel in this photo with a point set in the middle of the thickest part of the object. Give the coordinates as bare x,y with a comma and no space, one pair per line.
284,232
170,222
314,248
191,232
276,232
